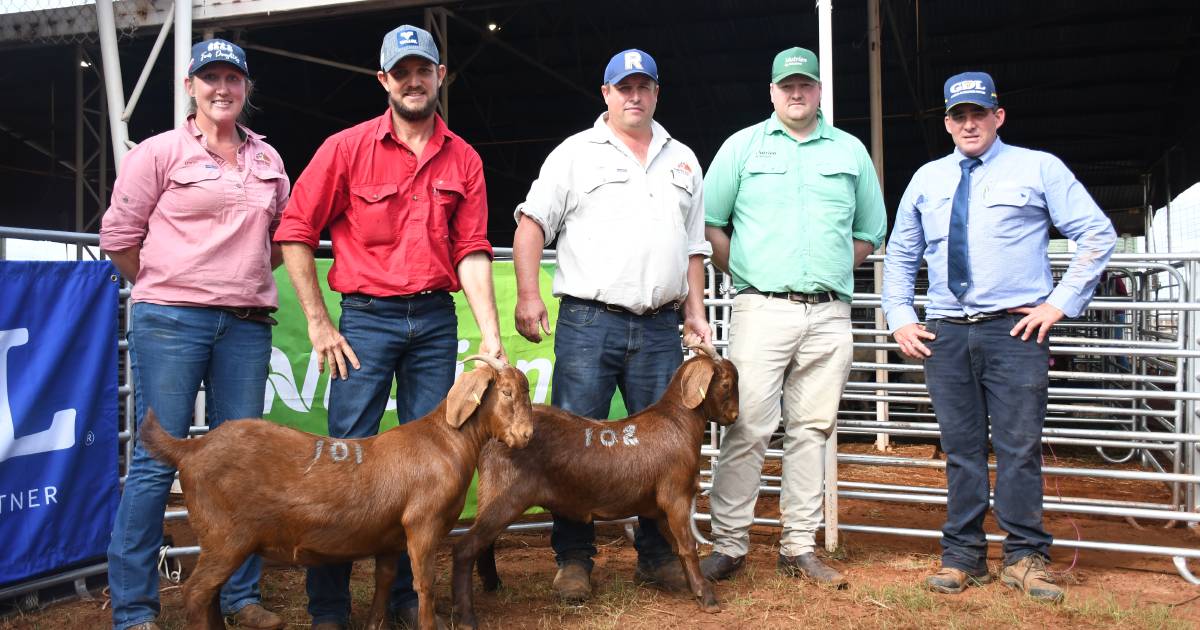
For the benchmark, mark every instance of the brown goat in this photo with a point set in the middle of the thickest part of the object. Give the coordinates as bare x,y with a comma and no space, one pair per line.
645,465
253,486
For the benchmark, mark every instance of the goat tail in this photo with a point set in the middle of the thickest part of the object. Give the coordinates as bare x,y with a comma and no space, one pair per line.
162,445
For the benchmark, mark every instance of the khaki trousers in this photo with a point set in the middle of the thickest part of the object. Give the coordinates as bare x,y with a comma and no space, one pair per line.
793,360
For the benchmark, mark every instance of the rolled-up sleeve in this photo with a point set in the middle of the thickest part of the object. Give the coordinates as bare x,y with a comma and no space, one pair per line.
870,215
697,244
721,184
468,226
319,196
135,195
1077,216
902,260
550,197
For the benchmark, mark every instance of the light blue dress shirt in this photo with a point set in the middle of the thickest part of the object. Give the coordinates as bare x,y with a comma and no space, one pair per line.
1016,194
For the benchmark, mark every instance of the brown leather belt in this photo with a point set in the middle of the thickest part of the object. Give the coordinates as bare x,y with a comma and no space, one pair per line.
792,296
252,314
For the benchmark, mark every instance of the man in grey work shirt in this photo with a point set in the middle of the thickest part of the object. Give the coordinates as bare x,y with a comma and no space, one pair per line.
980,217
624,200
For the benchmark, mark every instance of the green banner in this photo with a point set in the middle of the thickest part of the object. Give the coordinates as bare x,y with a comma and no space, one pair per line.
297,394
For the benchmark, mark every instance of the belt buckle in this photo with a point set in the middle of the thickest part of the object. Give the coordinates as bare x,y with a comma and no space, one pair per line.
977,317
612,308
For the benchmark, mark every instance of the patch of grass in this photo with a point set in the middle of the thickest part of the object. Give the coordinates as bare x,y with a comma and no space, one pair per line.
911,598
1107,611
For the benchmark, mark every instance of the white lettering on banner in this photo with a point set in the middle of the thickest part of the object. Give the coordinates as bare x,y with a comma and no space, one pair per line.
59,436
544,369
30,499
633,59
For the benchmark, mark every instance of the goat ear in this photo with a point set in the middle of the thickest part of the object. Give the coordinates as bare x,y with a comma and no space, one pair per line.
696,379
466,395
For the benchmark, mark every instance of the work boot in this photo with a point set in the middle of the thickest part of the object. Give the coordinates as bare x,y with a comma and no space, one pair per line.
573,582
953,581
717,566
809,566
1029,575
667,576
257,617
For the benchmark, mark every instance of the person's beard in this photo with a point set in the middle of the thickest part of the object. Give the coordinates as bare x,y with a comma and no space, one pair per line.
413,115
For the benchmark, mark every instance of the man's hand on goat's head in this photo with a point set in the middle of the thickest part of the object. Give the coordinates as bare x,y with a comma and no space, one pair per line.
333,351
532,318
699,327
493,348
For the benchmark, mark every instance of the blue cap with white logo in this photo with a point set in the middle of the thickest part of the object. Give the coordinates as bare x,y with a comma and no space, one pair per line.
971,87
406,41
627,62
214,50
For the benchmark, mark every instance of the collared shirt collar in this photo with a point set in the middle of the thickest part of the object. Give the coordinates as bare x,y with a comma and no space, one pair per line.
774,125
383,128
987,156
195,130
600,133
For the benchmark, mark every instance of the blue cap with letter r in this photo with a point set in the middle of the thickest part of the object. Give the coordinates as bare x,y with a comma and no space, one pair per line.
627,62
971,87
406,41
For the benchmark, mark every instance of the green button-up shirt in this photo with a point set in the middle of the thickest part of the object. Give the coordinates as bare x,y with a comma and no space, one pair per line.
796,206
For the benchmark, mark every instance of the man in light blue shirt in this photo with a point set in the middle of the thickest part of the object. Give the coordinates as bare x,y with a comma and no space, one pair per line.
980,217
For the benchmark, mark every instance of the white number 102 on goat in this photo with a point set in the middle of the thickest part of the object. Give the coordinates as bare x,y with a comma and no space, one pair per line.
608,437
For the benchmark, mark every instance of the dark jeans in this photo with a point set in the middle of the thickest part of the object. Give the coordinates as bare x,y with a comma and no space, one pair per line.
597,351
414,343
172,349
977,372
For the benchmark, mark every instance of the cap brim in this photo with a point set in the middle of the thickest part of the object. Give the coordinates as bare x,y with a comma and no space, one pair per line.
981,101
783,75
621,76
387,67
212,61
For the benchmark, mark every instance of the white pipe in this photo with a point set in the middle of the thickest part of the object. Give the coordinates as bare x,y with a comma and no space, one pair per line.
141,82
825,54
183,55
114,91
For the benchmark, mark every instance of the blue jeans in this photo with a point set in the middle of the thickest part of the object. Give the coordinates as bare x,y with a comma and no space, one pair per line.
597,351
171,350
978,371
412,342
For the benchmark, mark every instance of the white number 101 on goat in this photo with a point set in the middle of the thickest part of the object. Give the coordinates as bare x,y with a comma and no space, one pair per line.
608,437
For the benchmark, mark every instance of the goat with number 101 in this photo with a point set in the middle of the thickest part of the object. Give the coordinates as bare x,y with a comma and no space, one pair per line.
645,465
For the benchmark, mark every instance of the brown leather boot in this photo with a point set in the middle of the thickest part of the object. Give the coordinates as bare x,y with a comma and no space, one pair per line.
667,576
809,566
573,582
1029,575
952,581
257,617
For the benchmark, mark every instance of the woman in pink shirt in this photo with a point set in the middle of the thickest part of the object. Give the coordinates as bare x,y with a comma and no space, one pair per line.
190,224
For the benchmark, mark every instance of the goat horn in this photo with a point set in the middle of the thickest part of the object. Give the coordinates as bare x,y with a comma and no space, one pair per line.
493,362
707,348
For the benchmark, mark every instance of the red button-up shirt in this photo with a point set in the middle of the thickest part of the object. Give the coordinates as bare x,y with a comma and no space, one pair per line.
399,224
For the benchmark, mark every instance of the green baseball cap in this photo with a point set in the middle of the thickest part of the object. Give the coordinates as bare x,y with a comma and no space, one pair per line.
795,61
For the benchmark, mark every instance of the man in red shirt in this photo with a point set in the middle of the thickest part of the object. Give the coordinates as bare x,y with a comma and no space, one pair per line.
406,207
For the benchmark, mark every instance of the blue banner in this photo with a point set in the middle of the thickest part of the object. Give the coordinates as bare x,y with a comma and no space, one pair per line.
58,414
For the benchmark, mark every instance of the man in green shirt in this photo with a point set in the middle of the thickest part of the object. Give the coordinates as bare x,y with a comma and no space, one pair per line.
805,208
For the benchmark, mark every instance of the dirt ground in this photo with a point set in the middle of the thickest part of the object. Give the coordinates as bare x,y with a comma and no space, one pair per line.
1105,589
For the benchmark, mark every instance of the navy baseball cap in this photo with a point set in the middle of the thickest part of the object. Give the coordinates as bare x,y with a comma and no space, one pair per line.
407,41
627,62
971,87
213,50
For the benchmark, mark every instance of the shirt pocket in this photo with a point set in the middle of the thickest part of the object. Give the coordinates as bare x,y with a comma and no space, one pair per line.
604,194
683,191
263,186
834,185
935,219
371,213
1013,206
196,189
447,195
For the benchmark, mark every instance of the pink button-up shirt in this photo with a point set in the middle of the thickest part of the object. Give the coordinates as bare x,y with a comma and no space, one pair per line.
204,225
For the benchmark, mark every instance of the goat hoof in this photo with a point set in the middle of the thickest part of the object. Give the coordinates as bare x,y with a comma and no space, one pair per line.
710,608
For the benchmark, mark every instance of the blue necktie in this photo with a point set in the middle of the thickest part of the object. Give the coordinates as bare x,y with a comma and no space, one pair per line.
958,266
